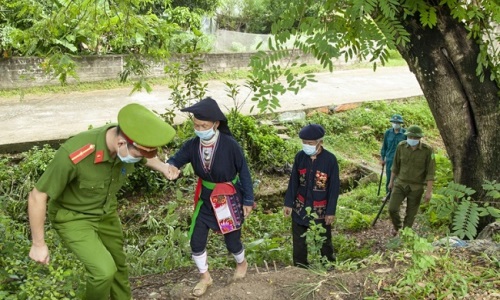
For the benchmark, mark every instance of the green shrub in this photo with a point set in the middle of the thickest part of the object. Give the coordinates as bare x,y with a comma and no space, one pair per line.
353,220
264,149
268,236
18,176
22,278
349,248
453,206
333,124
157,241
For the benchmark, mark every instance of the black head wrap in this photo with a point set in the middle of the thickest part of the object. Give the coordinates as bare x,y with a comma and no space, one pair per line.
208,110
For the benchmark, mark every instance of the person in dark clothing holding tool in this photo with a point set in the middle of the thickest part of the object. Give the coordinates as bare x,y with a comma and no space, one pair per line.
392,137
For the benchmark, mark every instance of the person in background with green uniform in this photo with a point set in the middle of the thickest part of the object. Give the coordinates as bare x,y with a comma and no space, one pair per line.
413,167
80,186
392,137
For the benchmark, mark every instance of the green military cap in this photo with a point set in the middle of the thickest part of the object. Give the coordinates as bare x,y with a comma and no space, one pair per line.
414,131
144,129
396,118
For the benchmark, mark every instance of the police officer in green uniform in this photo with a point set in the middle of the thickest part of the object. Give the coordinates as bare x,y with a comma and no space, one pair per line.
413,167
80,186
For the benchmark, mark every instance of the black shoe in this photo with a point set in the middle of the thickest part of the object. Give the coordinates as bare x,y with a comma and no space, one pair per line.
303,266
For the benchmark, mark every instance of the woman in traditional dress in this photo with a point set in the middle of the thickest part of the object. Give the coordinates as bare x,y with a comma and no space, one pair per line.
218,161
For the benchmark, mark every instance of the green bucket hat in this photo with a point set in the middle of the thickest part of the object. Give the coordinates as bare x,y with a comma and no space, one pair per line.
414,131
144,129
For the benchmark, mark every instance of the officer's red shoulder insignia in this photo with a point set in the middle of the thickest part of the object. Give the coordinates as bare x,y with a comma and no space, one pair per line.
81,153
99,155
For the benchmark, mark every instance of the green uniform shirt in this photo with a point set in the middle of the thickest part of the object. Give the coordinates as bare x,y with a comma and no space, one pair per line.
90,185
414,167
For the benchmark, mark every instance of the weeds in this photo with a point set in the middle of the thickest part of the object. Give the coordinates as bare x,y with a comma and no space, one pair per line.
156,218
268,237
304,290
439,272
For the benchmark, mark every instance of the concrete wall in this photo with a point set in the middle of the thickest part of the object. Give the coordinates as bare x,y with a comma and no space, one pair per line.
27,71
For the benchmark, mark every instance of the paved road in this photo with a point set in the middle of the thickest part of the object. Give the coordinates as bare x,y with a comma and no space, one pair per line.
58,116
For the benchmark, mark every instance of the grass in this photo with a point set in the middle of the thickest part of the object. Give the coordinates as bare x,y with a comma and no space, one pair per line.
155,228
356,134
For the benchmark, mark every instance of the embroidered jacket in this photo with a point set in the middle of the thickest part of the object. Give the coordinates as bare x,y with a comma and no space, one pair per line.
227,162
314,184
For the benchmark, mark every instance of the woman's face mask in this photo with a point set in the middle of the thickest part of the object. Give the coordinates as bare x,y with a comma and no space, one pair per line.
128,159
205,134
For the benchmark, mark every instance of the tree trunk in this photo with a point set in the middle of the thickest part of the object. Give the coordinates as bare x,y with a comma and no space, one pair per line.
466,110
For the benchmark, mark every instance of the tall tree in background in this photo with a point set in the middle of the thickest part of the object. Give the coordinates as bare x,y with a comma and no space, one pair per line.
452,47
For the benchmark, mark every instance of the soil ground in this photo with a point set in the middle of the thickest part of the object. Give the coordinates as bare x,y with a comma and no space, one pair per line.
280,282
273,282
369,281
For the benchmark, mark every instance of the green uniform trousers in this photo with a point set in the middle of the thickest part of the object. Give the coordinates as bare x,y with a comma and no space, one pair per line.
399,192
97,241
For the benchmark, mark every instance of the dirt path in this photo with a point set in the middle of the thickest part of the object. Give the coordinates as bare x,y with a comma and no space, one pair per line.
273,282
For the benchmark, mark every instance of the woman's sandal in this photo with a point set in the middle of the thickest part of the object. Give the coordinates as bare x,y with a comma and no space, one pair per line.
201,287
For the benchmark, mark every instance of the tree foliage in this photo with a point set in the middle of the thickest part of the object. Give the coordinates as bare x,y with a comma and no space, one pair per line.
42,28
451,46
366,30
60,30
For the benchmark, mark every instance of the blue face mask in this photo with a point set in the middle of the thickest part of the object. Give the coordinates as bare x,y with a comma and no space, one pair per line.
129,159
412,143
205,134
309,149
396,125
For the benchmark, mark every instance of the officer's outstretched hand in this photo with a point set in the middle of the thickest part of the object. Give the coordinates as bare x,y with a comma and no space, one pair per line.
287,211
40,254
